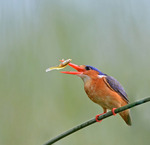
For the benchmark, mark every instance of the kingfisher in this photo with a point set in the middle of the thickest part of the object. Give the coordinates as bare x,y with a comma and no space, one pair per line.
102,89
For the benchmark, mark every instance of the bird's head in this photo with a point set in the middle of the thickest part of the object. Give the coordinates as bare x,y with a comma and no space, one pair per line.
86,72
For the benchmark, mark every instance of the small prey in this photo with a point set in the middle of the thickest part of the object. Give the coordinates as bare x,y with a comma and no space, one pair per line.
62,65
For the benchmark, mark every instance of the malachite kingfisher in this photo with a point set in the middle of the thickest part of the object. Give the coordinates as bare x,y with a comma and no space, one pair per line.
102,89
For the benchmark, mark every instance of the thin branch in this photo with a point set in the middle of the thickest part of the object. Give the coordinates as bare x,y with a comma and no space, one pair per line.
91,121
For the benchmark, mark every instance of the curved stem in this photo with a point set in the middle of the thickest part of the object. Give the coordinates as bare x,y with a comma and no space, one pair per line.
91,121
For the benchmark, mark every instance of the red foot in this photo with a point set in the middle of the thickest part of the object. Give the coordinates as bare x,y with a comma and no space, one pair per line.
113,111
96,117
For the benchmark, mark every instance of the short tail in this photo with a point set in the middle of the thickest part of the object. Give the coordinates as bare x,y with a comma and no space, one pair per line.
126,116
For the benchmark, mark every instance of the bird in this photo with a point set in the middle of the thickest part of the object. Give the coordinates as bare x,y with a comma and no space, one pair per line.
102,89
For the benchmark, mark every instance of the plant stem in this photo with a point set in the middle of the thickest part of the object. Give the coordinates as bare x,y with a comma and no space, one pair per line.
91,121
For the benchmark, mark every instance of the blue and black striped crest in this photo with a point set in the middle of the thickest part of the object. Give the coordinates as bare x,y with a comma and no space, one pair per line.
93,68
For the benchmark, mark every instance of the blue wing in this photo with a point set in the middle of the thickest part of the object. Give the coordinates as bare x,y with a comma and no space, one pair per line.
116,86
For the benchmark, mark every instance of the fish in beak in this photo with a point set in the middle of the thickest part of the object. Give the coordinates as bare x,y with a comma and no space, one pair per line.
79,69
62,65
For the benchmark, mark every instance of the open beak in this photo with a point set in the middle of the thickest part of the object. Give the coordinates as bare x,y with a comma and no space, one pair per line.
79,69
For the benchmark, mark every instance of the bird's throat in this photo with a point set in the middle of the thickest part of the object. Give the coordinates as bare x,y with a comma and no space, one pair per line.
85,78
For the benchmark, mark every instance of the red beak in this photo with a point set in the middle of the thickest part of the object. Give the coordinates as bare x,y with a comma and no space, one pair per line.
79,69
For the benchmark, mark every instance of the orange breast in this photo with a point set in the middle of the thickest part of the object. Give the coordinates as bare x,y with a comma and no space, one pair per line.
99,93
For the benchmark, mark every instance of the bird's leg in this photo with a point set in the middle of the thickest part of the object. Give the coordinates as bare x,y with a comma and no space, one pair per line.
96,117
105,111
113,111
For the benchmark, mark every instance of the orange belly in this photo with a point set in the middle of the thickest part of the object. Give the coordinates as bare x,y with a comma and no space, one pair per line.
99,93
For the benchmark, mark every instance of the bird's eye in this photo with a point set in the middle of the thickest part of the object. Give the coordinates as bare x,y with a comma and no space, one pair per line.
87,68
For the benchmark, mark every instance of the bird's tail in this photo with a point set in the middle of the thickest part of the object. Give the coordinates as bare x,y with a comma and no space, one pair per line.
126,116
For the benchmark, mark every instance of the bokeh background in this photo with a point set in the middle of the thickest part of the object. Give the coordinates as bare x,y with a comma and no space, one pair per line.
113,36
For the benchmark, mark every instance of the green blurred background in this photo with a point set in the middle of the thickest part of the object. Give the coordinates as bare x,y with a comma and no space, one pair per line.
113,36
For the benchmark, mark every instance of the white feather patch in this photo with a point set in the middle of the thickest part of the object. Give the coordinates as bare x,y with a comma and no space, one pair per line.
101,76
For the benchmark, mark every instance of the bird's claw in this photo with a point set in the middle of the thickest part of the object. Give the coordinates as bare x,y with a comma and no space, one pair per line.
96,117
113,111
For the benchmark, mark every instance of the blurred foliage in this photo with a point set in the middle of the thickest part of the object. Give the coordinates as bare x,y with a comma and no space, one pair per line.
36,106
